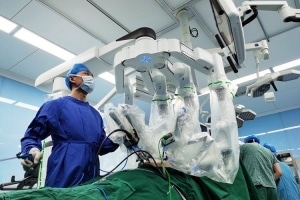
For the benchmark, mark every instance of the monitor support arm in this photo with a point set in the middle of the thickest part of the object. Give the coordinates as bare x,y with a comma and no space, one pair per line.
260,47
287,13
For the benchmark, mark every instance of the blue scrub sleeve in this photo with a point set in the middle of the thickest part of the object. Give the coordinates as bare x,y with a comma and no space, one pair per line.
108,146
38,129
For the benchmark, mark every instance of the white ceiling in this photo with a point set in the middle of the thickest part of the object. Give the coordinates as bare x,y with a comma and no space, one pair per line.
78,25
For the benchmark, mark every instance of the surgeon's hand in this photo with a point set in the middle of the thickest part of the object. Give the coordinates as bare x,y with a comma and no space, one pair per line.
36,154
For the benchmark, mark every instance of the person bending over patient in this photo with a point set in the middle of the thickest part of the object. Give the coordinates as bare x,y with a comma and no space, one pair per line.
287,187
262,167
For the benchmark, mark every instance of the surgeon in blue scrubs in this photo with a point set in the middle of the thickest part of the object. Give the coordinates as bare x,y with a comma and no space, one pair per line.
287,187
77,132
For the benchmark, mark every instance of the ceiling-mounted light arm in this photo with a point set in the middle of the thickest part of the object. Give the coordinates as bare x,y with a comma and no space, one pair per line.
262,84
262,53
273,85
260,48
287,13
249,19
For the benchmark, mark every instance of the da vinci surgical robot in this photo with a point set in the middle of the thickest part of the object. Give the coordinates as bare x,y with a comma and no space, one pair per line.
174,116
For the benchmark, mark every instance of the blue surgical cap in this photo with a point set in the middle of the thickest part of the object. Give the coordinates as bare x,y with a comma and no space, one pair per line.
74,70
271,148
251,138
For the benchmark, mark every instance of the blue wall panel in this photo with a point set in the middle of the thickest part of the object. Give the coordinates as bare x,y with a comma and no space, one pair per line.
13,123
287,125
291,118
261,125
21,92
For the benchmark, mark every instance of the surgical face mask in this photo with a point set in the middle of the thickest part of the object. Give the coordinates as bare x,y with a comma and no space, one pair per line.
88,84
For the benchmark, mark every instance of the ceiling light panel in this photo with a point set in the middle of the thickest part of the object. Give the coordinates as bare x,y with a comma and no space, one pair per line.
92,19
108,77
175,4
7,25
55,27
250,77
143,15
27,106
36,40
287,65
6,100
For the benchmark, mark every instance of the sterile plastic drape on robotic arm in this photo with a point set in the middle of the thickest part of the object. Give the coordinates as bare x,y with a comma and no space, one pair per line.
175,121
173,127
123,124
161,119
224,128
195,152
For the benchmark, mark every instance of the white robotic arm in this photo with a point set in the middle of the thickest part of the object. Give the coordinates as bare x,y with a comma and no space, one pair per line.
287,13
128,135
159,83
183,74
147,54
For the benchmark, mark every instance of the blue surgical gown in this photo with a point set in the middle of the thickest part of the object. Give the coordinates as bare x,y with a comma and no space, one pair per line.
76,129
287,186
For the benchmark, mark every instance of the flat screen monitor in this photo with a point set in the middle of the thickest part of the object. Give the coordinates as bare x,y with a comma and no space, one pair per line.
230,29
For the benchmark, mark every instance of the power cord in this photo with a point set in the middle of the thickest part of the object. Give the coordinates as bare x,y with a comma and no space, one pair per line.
116,130
164,168
132,153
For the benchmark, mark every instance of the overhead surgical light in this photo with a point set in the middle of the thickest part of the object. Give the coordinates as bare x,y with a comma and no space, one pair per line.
260,90
288,75
243,114
262,85
240,122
